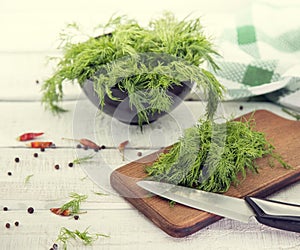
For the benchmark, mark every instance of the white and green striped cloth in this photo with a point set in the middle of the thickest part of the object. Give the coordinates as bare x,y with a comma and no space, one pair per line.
260,53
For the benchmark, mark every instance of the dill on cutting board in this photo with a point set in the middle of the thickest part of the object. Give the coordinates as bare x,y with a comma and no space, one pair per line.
211,156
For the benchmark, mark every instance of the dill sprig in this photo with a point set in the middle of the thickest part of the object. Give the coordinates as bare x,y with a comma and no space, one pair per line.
210,156
27,179
143,62
99,193
65,235
74,205
83,159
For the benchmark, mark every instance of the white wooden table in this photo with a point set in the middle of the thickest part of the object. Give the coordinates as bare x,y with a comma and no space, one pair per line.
28,36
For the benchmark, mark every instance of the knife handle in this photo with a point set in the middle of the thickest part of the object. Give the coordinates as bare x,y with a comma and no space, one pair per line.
276,214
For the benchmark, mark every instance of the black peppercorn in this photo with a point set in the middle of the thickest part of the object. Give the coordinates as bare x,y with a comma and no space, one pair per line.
76,217
35,155
56,166
139,153
103,147
5,209
42,149
9,173
17,159
7,225
17,223
241,107
30,210
70,164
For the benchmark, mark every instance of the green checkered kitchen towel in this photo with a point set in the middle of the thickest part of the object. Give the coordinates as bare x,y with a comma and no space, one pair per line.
260,49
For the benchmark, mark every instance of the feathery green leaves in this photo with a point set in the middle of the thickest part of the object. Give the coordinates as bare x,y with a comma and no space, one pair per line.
87,238
74,204
210,156
144,62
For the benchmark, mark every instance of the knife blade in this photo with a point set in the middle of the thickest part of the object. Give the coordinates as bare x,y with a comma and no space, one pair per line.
272,213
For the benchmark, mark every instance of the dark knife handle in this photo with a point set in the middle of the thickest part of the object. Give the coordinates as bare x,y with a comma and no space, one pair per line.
276,214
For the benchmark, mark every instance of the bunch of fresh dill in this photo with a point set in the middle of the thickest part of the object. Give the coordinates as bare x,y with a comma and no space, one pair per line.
210,156
143,62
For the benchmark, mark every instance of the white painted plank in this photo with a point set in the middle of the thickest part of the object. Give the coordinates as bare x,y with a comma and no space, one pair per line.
22,76
35,25
49,184
128,229
83,120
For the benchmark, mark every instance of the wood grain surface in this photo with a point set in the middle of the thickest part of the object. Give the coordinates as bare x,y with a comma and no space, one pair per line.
181,221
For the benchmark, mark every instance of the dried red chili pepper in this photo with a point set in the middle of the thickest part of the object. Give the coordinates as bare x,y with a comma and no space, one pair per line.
40,144
121,148
86,142
28,136
89,143
61,212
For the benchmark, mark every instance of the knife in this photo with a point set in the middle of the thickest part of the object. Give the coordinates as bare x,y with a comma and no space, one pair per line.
272,213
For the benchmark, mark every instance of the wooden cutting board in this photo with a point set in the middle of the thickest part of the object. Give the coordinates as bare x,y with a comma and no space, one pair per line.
179,220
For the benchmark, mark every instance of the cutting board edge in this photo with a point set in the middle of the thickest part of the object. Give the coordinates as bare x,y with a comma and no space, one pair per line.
181,231
176,231
286,180
171,229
